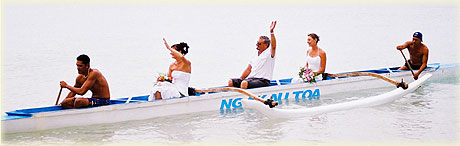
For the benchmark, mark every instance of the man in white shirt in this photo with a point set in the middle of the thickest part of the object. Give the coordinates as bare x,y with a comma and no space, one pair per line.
260,69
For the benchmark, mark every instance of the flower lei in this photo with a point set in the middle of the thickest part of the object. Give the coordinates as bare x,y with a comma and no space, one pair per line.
307,75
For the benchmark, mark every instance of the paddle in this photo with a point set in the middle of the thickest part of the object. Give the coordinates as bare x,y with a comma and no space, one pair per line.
59,95
268,102
412,71
398,84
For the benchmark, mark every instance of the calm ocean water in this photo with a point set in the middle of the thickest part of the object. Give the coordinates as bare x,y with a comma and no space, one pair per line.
41,42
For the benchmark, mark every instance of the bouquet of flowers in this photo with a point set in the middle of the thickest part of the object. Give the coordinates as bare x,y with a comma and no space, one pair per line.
163,77
307,75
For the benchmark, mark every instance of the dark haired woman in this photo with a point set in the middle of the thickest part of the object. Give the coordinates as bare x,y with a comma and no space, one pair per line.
179,75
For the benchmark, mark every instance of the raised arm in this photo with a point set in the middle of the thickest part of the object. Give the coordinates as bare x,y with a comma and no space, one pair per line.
273,39
174,52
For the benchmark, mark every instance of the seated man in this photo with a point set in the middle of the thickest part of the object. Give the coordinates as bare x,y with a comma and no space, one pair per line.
88,79
260,69
418,54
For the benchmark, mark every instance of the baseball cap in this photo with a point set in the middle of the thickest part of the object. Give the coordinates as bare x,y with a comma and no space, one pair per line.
418,35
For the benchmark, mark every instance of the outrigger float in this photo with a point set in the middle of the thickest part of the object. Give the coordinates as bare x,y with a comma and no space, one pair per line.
138,108
359,103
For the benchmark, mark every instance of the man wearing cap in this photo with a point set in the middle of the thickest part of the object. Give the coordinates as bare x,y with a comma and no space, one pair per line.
418,54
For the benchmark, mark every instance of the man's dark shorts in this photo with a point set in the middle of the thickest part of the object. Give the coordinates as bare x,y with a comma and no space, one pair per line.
252,82
98,101
414,67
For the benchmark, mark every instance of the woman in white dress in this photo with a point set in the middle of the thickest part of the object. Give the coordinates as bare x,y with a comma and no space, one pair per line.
316,58
179,73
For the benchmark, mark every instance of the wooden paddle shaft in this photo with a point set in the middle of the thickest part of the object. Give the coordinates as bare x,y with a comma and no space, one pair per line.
367,74
407,62
59,95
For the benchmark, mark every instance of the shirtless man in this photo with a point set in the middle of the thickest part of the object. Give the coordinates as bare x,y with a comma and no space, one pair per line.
88,79
418,54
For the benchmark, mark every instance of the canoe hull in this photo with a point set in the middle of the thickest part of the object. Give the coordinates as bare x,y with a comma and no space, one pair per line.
221,102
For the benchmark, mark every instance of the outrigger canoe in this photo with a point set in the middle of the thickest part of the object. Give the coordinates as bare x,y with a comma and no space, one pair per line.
138,108
360,103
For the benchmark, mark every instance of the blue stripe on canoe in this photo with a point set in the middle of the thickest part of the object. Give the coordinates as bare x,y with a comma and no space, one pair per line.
28,112
449,65
25,113
139,98
13,117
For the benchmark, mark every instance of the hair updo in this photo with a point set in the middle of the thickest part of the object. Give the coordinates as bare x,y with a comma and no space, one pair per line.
181,47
